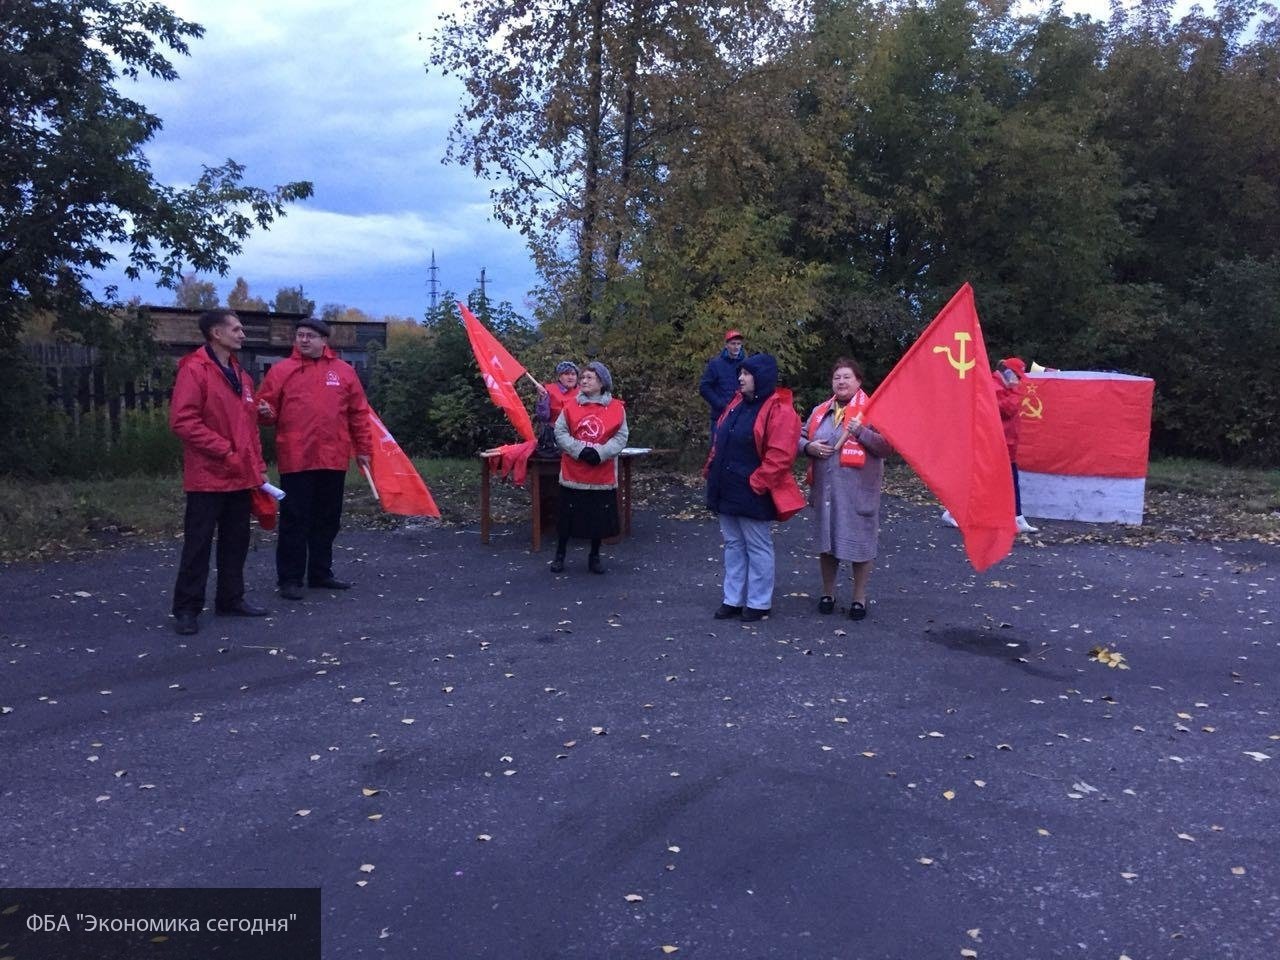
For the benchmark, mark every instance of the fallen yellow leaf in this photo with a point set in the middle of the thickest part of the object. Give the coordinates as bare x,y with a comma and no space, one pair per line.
667,948
949,794
1043,832
366,868
375,816
633,898
301,813
1238,871
369,791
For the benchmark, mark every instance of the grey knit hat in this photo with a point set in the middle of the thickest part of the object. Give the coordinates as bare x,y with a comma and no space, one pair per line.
601,371
564,366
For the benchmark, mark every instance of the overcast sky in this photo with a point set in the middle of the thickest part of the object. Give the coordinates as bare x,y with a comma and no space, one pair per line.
336,92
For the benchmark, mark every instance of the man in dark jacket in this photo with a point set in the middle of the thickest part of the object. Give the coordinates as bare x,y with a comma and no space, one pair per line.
720,378
213,414
321,417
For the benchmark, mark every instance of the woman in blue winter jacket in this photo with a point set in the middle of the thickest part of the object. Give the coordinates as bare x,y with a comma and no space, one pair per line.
749,484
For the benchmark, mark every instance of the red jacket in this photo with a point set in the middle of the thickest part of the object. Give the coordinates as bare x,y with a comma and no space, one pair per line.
319,411
1009,400
221,449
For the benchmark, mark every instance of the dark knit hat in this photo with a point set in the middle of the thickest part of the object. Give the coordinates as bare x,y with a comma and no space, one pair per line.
564,366
316,324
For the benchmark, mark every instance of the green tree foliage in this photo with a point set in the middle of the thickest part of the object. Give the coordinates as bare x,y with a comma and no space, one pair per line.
825,177
240,299
73,180
192,293
293,300
585,111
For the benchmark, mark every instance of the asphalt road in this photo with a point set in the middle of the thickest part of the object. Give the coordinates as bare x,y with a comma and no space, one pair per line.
533,766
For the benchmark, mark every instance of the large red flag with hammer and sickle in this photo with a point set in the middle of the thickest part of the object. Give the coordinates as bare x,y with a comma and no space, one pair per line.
500,371
938,408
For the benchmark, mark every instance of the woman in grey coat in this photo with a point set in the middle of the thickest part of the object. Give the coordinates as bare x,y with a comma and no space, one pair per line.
846,472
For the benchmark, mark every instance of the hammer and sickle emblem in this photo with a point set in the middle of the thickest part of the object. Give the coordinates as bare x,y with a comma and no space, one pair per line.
1033,408
963,364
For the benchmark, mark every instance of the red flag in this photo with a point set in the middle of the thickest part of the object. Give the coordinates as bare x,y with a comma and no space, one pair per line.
264,508
500,371
395,482
938,408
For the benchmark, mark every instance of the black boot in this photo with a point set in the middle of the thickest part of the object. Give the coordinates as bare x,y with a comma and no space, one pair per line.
594,564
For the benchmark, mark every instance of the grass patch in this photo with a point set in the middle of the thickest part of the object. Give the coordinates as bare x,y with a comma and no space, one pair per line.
1254,488
1186,499
40,520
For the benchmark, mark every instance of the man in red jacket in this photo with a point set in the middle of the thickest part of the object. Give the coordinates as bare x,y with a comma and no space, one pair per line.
213,413
321,417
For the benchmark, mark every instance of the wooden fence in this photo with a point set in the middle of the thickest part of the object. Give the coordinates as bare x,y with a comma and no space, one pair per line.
76,383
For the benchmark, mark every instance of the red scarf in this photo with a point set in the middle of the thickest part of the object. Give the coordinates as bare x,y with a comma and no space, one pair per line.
852,453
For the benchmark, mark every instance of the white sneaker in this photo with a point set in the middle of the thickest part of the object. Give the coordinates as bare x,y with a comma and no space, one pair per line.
948,519
1023,526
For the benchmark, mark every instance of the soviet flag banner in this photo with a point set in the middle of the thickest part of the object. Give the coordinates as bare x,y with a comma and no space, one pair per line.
938,408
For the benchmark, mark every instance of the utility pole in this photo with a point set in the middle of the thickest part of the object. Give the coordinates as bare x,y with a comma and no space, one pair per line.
484,296
433,284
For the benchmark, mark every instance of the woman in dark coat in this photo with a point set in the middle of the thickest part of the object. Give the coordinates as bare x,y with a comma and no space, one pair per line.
752,451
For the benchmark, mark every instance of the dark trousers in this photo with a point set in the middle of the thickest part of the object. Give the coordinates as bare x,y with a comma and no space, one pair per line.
227,515
1017,492
310,515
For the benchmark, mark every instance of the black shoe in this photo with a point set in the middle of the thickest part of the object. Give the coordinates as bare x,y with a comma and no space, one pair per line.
243,609
292,591
185,624
751,614
329,583
595,565
857,611
727,612
557,565
827,605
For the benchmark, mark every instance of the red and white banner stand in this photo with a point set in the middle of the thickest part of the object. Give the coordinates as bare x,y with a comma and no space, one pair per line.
1083,445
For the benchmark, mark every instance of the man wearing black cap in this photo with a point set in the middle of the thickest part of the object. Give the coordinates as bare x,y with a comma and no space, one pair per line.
719,382
321,418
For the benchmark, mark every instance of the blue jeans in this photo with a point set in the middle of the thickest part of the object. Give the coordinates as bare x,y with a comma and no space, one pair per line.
748,561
